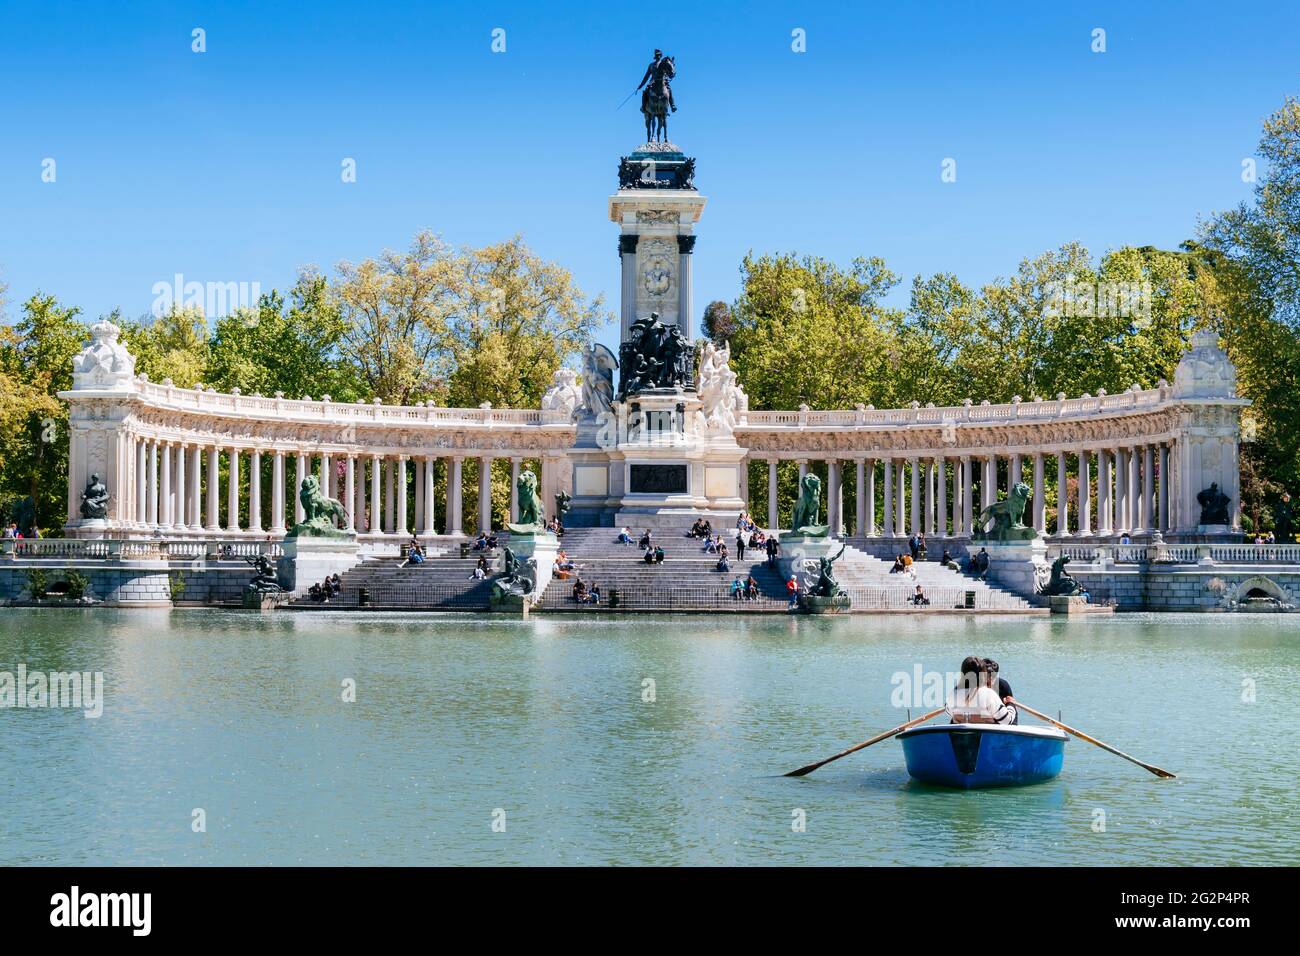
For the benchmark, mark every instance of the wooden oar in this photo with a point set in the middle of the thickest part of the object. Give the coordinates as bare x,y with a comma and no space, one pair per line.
866,743
1093,740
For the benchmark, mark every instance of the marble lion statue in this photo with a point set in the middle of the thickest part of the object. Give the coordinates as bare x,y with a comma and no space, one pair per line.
1007,514
318,511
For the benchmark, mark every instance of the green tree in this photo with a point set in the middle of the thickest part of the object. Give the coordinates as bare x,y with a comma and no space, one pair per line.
291,347
517,319
172,346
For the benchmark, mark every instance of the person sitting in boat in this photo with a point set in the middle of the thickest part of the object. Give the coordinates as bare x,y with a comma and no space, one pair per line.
972,701
995,680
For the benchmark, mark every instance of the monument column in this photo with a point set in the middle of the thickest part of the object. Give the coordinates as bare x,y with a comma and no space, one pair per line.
773,514
165,469
1133,488
956,498
514,489
834,502
255,491
1040,511
889,496
941,497
299,474
196,488
376,522
869,498
429,507
1062,496
967,496
349,492
142,483
1162,503
485,495
627,258
859,499
453,496
1148,489
1085,493
399,497
1103,492
685,307
232,492
277,492
182,503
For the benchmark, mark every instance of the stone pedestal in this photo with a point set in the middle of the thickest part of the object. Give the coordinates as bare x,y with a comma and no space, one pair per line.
91,528
1067,604
307,561
1015,565
798,549
535,552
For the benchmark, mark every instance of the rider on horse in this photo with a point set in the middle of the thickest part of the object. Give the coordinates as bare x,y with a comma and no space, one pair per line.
657,75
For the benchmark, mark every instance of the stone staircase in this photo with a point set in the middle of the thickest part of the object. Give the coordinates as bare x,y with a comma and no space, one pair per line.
688,580
444,581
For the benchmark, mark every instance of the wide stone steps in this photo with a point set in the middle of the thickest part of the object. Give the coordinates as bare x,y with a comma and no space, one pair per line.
443,581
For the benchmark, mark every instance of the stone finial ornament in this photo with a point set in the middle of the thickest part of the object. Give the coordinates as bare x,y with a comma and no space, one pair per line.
1205,371
105,363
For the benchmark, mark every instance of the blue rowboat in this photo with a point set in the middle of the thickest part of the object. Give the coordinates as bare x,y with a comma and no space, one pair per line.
971,756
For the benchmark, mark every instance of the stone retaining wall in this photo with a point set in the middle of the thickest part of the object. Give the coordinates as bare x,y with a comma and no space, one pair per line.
140,586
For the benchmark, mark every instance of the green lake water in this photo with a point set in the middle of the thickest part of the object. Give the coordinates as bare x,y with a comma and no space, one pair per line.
459,717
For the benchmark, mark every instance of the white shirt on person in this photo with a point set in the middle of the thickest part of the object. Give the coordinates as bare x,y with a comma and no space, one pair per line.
980,702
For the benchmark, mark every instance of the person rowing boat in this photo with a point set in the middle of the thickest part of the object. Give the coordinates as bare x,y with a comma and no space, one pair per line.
973,701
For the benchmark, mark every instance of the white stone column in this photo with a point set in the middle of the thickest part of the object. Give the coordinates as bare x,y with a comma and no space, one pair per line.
165,494
255,491
214,487
1040,511
454,497
195,520
927,495
989,483
773,514
889,496
326,476
1148,489
232,492
803,470
390,497
429,507
859,497
1103,492
277,492
360,523
299,475
417,482
515,464
833,502
967,496
376,523
1162,503
915,464
401,500
900,497
152,479
181,514
1133,487
1062,496
485,494
142,483
350,492
941,497
870,498
1085,493
957,494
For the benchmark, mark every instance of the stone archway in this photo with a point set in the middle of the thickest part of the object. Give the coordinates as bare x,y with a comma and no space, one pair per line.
1256,587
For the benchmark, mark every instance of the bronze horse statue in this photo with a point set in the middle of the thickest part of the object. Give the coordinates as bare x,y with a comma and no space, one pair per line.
657,98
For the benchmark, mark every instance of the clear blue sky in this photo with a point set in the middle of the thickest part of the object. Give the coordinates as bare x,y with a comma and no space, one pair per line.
225,165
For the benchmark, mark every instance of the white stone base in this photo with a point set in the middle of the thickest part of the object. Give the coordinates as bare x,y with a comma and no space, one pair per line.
798,549
87,528
309,561
1014,564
